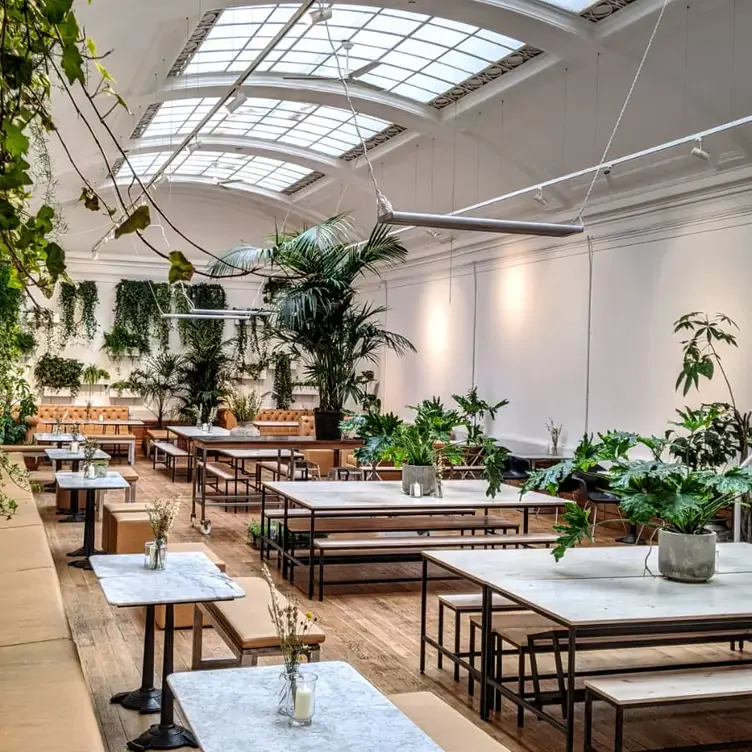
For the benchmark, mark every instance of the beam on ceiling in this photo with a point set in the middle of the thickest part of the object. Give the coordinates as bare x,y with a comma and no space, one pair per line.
334,168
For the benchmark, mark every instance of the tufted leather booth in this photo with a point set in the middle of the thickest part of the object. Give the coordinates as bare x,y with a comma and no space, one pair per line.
75,413
306,426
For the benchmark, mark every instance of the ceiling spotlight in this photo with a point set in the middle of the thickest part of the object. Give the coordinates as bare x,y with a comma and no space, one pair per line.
540,199
95,254
320,15
607,170
236,102
699,152
193,145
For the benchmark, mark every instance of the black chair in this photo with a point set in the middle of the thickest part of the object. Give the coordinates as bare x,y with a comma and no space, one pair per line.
516,469
595,488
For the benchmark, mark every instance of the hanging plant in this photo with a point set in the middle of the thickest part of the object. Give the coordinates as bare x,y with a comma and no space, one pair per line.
160,326
88,294
120,344
202,295
58,373
67,311
283,396
241,343
42,321
137,312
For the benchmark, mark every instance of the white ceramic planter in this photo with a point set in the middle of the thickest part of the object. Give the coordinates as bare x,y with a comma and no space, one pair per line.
686,558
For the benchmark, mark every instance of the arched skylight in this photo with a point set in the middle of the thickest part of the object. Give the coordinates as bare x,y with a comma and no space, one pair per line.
224,168
328,130
417,56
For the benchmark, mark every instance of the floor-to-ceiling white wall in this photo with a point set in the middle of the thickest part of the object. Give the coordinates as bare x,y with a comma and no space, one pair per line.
531,311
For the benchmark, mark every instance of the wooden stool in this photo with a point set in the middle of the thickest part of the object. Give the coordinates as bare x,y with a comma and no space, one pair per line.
108,510
129,474
129,532
184,611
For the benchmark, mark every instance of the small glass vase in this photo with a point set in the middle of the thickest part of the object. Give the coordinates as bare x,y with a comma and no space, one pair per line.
297,697
157,554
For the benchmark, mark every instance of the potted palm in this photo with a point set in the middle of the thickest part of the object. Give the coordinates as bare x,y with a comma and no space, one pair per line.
159,382
310,288
669,495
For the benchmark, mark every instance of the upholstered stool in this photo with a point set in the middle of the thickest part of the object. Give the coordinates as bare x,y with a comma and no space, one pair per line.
108,510
129,532
128,472
184,611
63,499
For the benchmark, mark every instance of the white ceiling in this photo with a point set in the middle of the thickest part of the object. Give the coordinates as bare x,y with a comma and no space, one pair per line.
550,116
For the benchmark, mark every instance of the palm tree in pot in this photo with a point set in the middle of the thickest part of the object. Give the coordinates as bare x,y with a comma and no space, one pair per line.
310,288
159,381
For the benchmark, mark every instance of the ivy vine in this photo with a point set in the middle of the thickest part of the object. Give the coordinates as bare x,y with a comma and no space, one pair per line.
58,373
202,295
88,294
283,386
138,317
67,311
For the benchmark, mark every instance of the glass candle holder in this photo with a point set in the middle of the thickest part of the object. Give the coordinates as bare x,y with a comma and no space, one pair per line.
303,699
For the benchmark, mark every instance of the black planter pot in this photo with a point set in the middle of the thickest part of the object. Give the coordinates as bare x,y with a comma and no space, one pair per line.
327,424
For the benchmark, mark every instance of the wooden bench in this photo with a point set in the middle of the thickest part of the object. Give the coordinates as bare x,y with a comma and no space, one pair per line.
246,626
281,471
462,604
406,549
151,435
449,729
172,453
664,688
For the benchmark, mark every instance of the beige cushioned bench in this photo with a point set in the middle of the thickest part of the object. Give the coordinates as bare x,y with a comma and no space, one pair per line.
111,508
45,704
449,729
246,627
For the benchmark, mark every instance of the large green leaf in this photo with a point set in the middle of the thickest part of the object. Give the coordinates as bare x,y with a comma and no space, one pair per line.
55,260
15,141
181,270
140,219
73,64
90,199
55,11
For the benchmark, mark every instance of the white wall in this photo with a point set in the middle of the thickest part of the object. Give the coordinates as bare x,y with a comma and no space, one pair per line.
649,267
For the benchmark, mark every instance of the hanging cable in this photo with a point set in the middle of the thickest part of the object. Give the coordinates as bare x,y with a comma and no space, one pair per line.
623,109
383,204
589,331
475,321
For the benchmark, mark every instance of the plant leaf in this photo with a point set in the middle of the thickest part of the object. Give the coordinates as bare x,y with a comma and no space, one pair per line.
55,260
90,199
140,219
55,11
16,142
181,270
73,64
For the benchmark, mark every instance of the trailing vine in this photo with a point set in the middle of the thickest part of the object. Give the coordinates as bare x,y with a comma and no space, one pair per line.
88,294
137,313
58,373
241,344
67,311
202,295
283,386
161,327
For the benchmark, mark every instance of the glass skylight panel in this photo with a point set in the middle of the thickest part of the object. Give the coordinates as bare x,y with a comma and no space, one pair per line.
575,6
406,43
229,169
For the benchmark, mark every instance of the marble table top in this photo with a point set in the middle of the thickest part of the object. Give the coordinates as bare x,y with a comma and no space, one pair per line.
259,454
528,451
186,578
234,710
54,438
609,585
77,482
388,494
191,432
65,454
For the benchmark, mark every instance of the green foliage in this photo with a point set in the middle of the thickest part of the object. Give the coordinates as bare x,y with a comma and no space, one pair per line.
58,373
138,220
137,315
377,432
573,529
700,357
205,375
91,375
312,290
283,386
181,270
495,458
88,295
711,439
158,381
25,343
202,295
474,410
17,403
67,311
245,407
120,344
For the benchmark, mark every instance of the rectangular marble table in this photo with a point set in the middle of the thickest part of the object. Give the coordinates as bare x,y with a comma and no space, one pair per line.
234,710
64,454
599,592
187,578
57,438
75,482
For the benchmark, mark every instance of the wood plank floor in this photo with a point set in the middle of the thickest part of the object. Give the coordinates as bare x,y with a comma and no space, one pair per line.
376,629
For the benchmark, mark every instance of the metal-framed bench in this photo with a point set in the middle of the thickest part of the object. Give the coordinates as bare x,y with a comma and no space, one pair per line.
172,453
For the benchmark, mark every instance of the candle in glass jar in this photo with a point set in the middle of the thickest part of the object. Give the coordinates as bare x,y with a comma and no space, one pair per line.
303,703
101,418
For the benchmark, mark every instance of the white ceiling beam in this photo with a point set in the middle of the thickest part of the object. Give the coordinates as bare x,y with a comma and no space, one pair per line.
389,107
334,168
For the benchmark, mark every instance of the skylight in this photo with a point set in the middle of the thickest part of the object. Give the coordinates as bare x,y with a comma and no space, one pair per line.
224,168
575,6
328,130
418,56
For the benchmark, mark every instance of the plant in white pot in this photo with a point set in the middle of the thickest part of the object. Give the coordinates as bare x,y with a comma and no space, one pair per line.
245,408
676,499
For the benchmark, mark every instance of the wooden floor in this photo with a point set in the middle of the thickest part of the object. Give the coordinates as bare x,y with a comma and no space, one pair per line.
376,630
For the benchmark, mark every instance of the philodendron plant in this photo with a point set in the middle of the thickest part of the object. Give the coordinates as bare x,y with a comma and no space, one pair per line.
653,492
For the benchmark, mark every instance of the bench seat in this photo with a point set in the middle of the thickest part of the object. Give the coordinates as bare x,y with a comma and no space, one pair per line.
220,470
246,626
448,728
172,450
282,470
398,524
296,512
424,543
24,548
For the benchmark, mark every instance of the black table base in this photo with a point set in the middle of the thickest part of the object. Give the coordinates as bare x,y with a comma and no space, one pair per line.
146,699
165,734
73,516
87,549
77,552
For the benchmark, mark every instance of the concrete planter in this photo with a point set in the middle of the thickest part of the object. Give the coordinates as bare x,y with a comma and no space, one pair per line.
423,475
686,558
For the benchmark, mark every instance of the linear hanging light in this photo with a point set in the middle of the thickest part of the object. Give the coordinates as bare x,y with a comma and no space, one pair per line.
479,224
217,315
